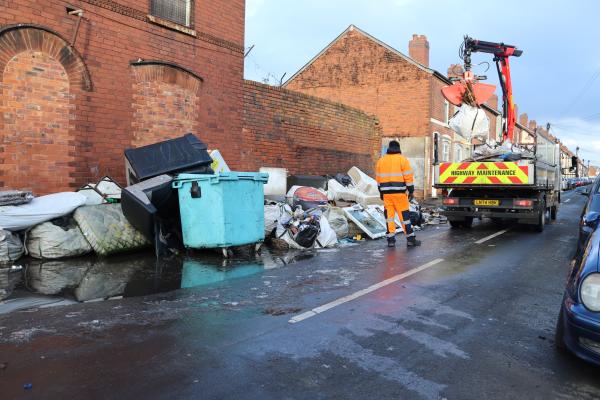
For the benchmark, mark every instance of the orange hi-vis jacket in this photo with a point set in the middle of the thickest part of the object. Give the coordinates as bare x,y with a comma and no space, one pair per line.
394,174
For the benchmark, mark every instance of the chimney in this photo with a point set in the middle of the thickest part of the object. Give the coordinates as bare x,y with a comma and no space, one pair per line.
523,119
418,49
493,102
455,71
532,125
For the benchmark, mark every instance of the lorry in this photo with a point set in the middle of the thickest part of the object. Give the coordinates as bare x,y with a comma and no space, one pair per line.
505,180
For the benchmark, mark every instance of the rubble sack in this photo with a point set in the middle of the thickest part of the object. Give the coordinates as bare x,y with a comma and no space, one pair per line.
11,248
107,230
51,241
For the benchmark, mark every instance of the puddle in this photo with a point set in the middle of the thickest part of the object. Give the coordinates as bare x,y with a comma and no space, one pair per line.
92,278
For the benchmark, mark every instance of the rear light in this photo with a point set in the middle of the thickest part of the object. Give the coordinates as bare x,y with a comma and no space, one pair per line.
523,203
450,201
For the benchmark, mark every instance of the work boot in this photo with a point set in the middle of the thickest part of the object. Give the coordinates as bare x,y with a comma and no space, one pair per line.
412,241
391,241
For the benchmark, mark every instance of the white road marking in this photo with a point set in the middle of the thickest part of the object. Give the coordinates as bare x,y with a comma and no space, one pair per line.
485,239
360,293
567,200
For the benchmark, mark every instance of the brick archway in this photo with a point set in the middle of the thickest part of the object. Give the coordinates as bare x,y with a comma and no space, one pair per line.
15,39
165,101
40,76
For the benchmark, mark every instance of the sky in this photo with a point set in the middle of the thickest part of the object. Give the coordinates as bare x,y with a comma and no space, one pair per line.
556,80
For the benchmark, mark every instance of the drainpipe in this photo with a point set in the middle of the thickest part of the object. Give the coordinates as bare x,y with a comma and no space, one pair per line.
79,14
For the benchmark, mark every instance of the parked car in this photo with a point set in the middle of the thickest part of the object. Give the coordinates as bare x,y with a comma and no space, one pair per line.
578,326
592,205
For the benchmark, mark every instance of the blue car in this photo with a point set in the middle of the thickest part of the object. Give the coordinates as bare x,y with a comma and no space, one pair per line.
578,327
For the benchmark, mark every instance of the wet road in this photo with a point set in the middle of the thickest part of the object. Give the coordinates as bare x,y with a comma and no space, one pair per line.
469,315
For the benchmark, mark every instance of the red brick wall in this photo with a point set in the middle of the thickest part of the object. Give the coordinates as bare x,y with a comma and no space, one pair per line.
36,112
165,102
304,134
112,34
362,73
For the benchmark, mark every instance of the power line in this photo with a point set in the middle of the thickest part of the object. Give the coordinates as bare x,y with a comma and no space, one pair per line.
584,89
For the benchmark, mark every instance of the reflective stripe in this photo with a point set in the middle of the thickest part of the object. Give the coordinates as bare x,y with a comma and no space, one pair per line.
390,235
410,184
407,172
392,184
406,222
392,188
389,174
389,220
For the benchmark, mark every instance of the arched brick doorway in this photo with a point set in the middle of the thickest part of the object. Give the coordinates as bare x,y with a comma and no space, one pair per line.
165,101
36,109
40,77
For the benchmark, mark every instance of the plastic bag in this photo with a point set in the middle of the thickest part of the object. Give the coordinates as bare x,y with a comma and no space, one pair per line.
470,121
337,221
11,248
327,236
50,241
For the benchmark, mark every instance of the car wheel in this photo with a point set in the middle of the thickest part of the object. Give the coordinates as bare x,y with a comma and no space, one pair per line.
559,333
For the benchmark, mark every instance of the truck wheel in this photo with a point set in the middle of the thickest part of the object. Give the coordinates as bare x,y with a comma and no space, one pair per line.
468,222
541,218
456,224
553,212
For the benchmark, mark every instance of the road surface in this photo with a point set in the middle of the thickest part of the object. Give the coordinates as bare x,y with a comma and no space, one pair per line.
469,315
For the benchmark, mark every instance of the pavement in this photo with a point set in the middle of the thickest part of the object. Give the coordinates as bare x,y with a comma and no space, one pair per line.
469,315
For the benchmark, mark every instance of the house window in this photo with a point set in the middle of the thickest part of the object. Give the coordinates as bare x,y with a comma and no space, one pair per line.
458,155
445,151
178,11
446,111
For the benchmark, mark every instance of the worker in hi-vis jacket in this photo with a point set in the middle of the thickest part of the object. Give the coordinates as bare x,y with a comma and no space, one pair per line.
395,179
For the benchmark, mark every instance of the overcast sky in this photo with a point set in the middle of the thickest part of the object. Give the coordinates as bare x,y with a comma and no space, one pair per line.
556,80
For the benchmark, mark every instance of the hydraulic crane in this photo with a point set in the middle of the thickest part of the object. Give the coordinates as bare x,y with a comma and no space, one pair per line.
469,90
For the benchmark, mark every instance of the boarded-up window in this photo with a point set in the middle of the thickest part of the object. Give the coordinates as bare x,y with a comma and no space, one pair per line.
178,11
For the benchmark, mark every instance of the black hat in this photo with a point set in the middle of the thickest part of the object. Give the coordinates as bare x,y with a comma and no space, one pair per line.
393,147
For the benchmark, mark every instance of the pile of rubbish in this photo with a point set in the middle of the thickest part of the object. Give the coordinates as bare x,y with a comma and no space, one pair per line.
181,195
321,212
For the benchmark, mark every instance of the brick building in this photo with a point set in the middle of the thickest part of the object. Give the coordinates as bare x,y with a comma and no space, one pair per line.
402,91
76,91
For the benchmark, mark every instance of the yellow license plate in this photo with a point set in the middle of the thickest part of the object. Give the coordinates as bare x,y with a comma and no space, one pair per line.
486,202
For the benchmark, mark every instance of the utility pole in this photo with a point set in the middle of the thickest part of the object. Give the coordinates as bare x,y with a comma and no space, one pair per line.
577,157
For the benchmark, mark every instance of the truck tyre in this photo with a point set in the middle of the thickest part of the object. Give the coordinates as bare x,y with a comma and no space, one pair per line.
553,212
466,223
541,218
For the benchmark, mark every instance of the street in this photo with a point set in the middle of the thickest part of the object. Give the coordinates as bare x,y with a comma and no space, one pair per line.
475,320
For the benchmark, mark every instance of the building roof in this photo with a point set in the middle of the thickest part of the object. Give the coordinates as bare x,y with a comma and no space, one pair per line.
371,37
408,59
